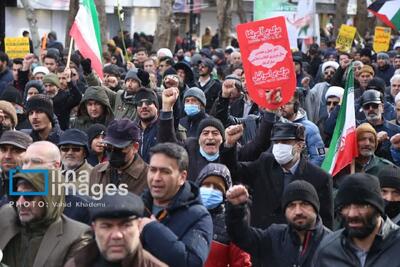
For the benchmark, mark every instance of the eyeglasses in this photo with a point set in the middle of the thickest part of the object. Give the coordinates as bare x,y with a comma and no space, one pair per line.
35,161
74,149
369,105
17,197
145,101
329,72
332,103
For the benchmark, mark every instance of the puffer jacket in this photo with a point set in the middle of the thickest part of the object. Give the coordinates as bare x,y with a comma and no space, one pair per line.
336,249
83,121
278,245
315,145
182,235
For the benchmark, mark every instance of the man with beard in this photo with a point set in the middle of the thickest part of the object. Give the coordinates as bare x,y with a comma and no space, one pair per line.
365,75
207,84
366,161
389,179
315,101
13,145
369,237
283,245
74,151
147,121
125,166
394,89
384,69
124,100
112,77
373,107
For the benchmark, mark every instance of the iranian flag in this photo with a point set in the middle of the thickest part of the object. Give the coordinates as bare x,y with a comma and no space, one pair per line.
388,11
86,33
343,146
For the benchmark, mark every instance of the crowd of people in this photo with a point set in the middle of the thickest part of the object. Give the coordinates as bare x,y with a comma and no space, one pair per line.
199,174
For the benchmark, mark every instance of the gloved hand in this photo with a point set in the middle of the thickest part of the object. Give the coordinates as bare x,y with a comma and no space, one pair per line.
86,66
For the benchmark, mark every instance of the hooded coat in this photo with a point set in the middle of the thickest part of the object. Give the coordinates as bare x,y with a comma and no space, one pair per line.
183,231
83,120
48,241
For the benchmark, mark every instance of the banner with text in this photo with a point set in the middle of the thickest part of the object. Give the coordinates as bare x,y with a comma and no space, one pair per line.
345,38
16,47
267,61
381,39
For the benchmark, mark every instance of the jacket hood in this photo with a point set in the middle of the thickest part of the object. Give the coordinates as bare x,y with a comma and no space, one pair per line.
54,200
98,94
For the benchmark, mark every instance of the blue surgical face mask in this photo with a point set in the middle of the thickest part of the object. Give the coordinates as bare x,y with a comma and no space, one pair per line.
211,198
208,156
187,59
191,109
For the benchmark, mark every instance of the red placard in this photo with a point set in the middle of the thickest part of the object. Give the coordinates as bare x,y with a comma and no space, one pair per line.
267,61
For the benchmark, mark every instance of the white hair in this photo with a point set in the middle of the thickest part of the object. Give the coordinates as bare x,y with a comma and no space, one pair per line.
395,77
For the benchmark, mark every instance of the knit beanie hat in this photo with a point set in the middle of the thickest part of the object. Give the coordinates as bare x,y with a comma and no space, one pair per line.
197,93
300,190
9,109
360,188
36,84
216,174
52,79
389,176
366,127
367,69
95,130
12,95
132,75
42,103
211,121
148,94
382,55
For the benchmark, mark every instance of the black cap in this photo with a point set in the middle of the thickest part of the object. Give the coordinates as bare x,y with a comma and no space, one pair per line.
287,131
74,137
211,121
360,188
16,138
121,133
377,84
371,96
300,190
117,206
148,94
42,103
112,69
389,176
95,130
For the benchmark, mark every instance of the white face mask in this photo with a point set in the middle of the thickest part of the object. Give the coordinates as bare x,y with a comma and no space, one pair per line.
283,153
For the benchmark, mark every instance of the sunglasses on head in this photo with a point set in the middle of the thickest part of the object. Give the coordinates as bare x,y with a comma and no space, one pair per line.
68,148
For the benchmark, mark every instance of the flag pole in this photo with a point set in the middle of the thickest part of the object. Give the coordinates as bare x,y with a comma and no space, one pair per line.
353,167
69,52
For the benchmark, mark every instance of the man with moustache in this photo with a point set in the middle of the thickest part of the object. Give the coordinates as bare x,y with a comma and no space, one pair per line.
373,107
369,237
147,121
291,244
389,179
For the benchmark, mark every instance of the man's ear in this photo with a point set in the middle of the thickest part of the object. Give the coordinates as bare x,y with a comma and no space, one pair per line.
183,177
135,147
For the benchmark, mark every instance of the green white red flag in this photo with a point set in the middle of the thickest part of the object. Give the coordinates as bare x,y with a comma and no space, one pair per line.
343,146
86,33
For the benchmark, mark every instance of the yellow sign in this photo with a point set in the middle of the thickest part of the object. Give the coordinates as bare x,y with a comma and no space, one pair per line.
345,38
16,47
381,39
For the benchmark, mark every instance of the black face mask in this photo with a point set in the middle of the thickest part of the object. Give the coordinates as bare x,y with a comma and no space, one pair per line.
392,208
180,57
116,158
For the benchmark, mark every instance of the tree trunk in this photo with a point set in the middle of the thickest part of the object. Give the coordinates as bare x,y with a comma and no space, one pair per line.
224,16
73,10
340,16
173,35
101,11
241,12
361,18
162,36
32,21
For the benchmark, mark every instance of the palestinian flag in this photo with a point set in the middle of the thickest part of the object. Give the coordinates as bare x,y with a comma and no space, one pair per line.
86,33
387,11
343,146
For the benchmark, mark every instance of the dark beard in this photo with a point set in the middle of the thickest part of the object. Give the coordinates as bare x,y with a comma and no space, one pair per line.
302,227
147,120
370,222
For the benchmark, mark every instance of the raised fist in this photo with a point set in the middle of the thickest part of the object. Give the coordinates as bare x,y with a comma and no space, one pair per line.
237,195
